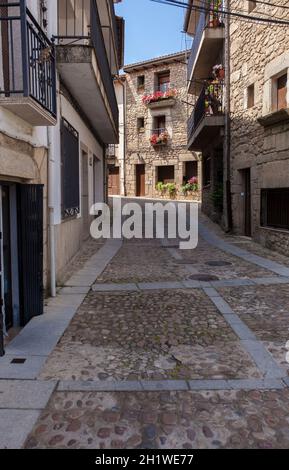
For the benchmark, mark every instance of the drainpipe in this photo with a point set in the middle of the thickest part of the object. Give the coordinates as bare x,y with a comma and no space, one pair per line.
227,137
123,173
51,209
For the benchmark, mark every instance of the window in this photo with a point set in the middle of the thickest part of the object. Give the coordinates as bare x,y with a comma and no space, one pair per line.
166,174
159,125
275,208
69,170
251,5
163,81
250,96
191,170
281,92
140,124
140,82
207,171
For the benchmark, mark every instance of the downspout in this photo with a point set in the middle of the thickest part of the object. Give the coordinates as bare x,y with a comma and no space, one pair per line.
123,172
227,137
51,210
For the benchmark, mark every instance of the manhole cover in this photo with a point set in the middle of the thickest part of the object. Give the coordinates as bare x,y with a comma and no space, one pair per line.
219,263
203,277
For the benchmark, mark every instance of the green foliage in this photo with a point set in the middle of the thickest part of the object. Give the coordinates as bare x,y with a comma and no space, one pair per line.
171,188
161,187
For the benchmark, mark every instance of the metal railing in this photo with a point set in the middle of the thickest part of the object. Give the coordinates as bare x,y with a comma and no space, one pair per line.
211,19
82,26
159,131
209,103
28,57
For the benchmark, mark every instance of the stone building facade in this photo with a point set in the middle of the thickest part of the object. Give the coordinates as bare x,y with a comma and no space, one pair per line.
147,162
56,120
259,65
242,130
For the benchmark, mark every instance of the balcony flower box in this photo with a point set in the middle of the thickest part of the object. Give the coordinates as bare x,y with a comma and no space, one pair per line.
159,139
159,96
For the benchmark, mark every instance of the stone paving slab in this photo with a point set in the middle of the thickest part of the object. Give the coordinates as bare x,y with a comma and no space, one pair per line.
25,394
74,290
164,420
15,425
27,371
114,287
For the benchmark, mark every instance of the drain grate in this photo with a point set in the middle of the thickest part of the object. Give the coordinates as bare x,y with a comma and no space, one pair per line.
203,277
218,263
18,361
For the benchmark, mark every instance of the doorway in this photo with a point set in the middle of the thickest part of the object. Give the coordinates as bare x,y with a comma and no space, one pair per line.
113,181
6,273
247,201
140,180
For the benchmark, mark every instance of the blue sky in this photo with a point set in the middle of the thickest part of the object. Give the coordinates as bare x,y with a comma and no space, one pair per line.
152,29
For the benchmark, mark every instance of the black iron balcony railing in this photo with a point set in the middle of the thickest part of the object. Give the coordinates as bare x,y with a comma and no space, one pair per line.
207,19
82,26
210,103
28,59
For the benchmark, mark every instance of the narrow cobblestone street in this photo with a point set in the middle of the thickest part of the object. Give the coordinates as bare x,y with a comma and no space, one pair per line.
154,358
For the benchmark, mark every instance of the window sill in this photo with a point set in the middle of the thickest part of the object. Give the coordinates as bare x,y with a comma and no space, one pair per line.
274,118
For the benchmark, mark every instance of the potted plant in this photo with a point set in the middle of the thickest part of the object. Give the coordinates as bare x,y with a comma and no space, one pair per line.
172,189
159,139
218,72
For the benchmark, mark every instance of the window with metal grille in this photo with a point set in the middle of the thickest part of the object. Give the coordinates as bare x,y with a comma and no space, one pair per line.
275,208
69,170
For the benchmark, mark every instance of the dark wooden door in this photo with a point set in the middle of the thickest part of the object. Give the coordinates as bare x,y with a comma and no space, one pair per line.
247,205
30,238
140,180
113,182
6,240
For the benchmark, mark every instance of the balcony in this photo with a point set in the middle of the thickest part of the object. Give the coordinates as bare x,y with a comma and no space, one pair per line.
207,45
207,117
82,59
27,67
159,137
163,96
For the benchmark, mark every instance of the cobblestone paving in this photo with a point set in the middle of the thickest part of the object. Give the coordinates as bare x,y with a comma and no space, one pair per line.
169,334
236,269
143,264
265,309
160,334
164,420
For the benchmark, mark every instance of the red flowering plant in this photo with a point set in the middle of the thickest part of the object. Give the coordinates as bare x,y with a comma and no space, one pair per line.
159,139
191,185
159,96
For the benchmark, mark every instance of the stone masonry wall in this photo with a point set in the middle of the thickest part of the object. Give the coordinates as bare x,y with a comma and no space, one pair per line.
259,53
139,149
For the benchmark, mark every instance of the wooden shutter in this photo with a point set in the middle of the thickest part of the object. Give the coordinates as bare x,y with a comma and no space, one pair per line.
30,236
282,92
